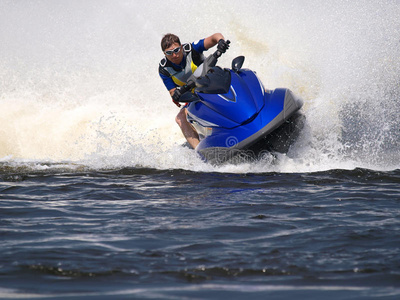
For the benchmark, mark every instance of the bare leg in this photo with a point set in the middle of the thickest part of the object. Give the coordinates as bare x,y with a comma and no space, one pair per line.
188,131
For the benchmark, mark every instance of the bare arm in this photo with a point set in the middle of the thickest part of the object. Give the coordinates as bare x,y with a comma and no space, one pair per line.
171,91
212,40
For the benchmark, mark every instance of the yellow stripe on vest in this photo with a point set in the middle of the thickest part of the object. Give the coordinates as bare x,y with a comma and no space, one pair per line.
193,66
177,81
181,83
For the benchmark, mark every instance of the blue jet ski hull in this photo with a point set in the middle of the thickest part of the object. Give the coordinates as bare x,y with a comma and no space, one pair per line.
262,121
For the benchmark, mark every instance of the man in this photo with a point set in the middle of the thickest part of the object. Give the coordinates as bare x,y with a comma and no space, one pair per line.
175,68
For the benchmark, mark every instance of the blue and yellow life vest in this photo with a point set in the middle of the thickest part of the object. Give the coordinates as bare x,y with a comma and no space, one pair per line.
178,74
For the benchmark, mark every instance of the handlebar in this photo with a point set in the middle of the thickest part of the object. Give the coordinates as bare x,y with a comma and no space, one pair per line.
187,87
217,54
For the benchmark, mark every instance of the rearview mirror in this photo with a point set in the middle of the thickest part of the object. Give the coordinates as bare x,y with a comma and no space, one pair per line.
237,63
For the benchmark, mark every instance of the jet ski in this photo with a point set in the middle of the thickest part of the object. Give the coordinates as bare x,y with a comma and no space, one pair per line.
235,115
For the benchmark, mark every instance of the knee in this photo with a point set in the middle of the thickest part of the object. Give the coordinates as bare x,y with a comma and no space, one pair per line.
180,117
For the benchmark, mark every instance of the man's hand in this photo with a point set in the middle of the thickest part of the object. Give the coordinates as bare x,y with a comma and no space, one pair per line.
175,97
177,94
222,46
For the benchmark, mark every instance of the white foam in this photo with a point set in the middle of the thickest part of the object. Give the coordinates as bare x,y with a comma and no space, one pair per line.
79,80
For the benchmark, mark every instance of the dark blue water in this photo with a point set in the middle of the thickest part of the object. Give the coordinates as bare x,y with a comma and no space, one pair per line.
176,234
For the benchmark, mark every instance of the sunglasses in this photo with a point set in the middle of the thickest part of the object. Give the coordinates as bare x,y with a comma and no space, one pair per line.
170,52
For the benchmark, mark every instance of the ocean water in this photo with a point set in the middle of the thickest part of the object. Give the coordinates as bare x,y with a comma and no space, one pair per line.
100,200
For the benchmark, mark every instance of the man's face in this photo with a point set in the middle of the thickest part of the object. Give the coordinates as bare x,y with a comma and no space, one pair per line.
175,56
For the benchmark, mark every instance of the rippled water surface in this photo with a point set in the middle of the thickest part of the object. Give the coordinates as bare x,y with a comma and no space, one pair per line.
174,233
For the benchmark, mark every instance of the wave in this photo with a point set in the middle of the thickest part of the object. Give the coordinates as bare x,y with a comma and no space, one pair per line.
79,82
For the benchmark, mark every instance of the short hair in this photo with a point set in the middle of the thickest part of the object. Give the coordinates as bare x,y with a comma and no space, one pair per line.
168,40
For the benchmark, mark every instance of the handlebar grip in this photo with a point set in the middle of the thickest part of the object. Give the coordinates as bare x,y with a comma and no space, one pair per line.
188,87
218,53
